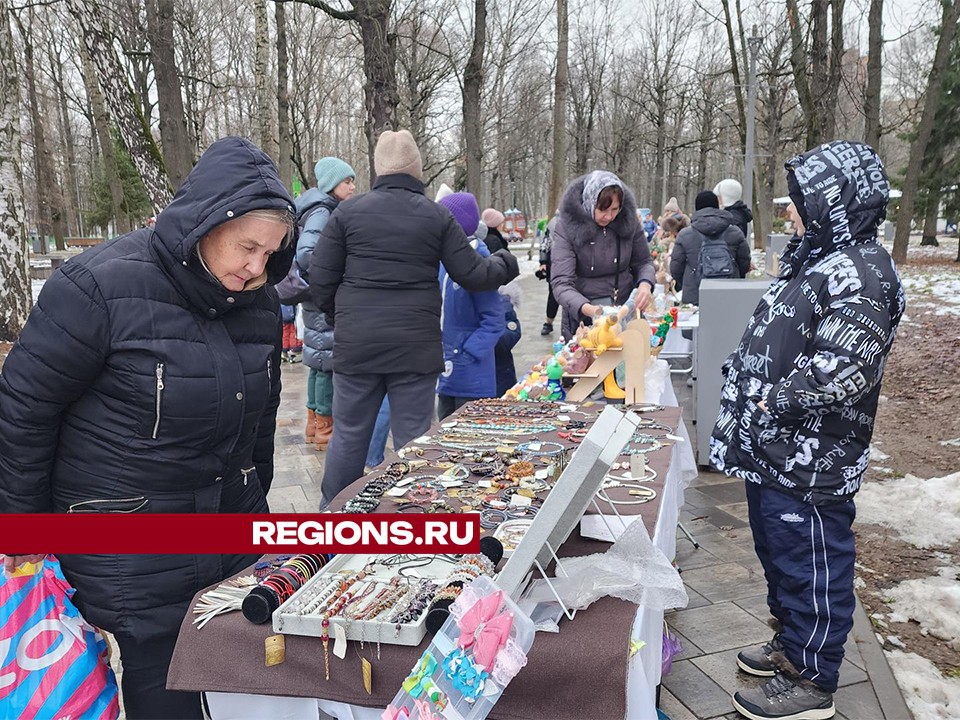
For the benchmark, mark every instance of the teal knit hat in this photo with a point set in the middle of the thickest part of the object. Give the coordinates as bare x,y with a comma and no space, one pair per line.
330,172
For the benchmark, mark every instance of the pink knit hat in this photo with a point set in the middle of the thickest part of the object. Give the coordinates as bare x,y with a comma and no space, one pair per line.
492,218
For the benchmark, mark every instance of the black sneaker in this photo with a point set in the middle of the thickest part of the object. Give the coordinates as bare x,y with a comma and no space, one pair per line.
785,699
756,660
547,329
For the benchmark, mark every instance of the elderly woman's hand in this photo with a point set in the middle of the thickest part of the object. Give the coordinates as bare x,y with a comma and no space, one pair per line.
12,562
644,295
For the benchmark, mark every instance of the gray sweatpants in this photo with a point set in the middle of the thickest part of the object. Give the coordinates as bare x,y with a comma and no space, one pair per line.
356,402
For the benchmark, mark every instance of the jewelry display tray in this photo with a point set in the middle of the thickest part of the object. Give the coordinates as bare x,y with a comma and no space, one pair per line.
560,514
287,622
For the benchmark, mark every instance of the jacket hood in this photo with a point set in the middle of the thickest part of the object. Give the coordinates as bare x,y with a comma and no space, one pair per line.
741,208
711,221
581,227
231,178
315,196
844,190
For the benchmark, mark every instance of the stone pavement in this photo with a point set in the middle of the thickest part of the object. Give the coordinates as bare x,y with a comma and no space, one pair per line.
727,609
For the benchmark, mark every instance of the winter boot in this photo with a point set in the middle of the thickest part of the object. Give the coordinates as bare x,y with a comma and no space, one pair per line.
311,428
785,698
611,390
547,329
324,430
756,660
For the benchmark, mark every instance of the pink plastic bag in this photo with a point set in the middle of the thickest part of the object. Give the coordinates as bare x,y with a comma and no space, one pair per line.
53,664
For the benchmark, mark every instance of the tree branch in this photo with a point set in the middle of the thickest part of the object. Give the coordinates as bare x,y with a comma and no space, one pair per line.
349,15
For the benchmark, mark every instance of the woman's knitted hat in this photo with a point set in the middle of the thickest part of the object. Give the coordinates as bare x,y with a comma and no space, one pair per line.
330,172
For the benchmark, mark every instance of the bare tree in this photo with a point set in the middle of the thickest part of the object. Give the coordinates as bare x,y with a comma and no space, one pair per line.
559,161
379,63
49,196
133,127
283,100
911,182
177,148
472,85
871,97
15,297
104,135
817,64
262,54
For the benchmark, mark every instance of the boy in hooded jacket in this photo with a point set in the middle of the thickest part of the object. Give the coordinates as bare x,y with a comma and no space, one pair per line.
796,417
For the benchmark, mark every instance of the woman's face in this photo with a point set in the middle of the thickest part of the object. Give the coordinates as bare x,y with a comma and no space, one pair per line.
605,217
237,251
345,190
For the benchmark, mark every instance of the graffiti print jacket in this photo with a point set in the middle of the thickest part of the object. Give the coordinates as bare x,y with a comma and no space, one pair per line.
815,348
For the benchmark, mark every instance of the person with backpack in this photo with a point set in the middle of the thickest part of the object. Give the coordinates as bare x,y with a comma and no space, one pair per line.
335,182
712,247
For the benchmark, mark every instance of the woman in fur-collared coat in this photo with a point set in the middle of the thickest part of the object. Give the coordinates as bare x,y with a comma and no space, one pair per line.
600,253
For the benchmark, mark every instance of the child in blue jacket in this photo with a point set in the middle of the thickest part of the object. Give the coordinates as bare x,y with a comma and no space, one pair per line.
472,324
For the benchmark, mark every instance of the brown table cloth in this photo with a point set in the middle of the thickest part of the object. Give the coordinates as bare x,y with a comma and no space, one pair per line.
580,672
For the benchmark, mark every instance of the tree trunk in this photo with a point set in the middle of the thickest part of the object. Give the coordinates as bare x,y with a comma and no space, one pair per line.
264,119
798,62
71,194
133,127
930,218
735,69
931,101
284,161
104,134
15,292
871,96
176,143
51,220
380,72
559,162
472,84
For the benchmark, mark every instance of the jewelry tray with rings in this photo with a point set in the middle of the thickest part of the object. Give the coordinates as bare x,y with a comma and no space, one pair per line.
290,620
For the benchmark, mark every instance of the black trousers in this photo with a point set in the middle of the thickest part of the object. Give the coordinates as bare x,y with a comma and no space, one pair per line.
144,681
448,404
553,307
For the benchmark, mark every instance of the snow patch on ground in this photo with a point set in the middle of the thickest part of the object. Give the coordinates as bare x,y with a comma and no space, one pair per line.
933,602
944,286
36,286
905,505
929,695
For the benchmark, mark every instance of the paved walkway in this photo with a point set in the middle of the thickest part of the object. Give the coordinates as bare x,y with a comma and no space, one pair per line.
727,609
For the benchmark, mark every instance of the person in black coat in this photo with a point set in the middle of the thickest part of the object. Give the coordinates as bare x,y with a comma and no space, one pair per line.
147,379
493,219
730,192
375,271
708,222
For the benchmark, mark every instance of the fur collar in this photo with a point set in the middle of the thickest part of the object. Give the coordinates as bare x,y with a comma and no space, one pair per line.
580,227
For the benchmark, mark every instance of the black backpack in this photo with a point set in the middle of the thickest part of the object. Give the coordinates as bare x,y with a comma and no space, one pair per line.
716,260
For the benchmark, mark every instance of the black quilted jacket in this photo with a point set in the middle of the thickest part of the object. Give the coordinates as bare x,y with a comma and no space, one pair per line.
815,348
140,384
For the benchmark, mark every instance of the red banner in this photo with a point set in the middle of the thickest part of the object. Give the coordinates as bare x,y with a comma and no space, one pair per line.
106,533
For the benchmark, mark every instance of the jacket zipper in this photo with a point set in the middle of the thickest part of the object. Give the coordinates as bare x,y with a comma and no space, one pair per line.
246,473
156,423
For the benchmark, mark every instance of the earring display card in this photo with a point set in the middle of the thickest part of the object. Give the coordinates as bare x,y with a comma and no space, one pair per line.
302,614
474,656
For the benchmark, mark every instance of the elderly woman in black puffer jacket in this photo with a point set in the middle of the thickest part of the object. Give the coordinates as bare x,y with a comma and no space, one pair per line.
147,380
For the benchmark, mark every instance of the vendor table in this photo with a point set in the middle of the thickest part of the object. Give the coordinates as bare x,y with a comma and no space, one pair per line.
588,659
